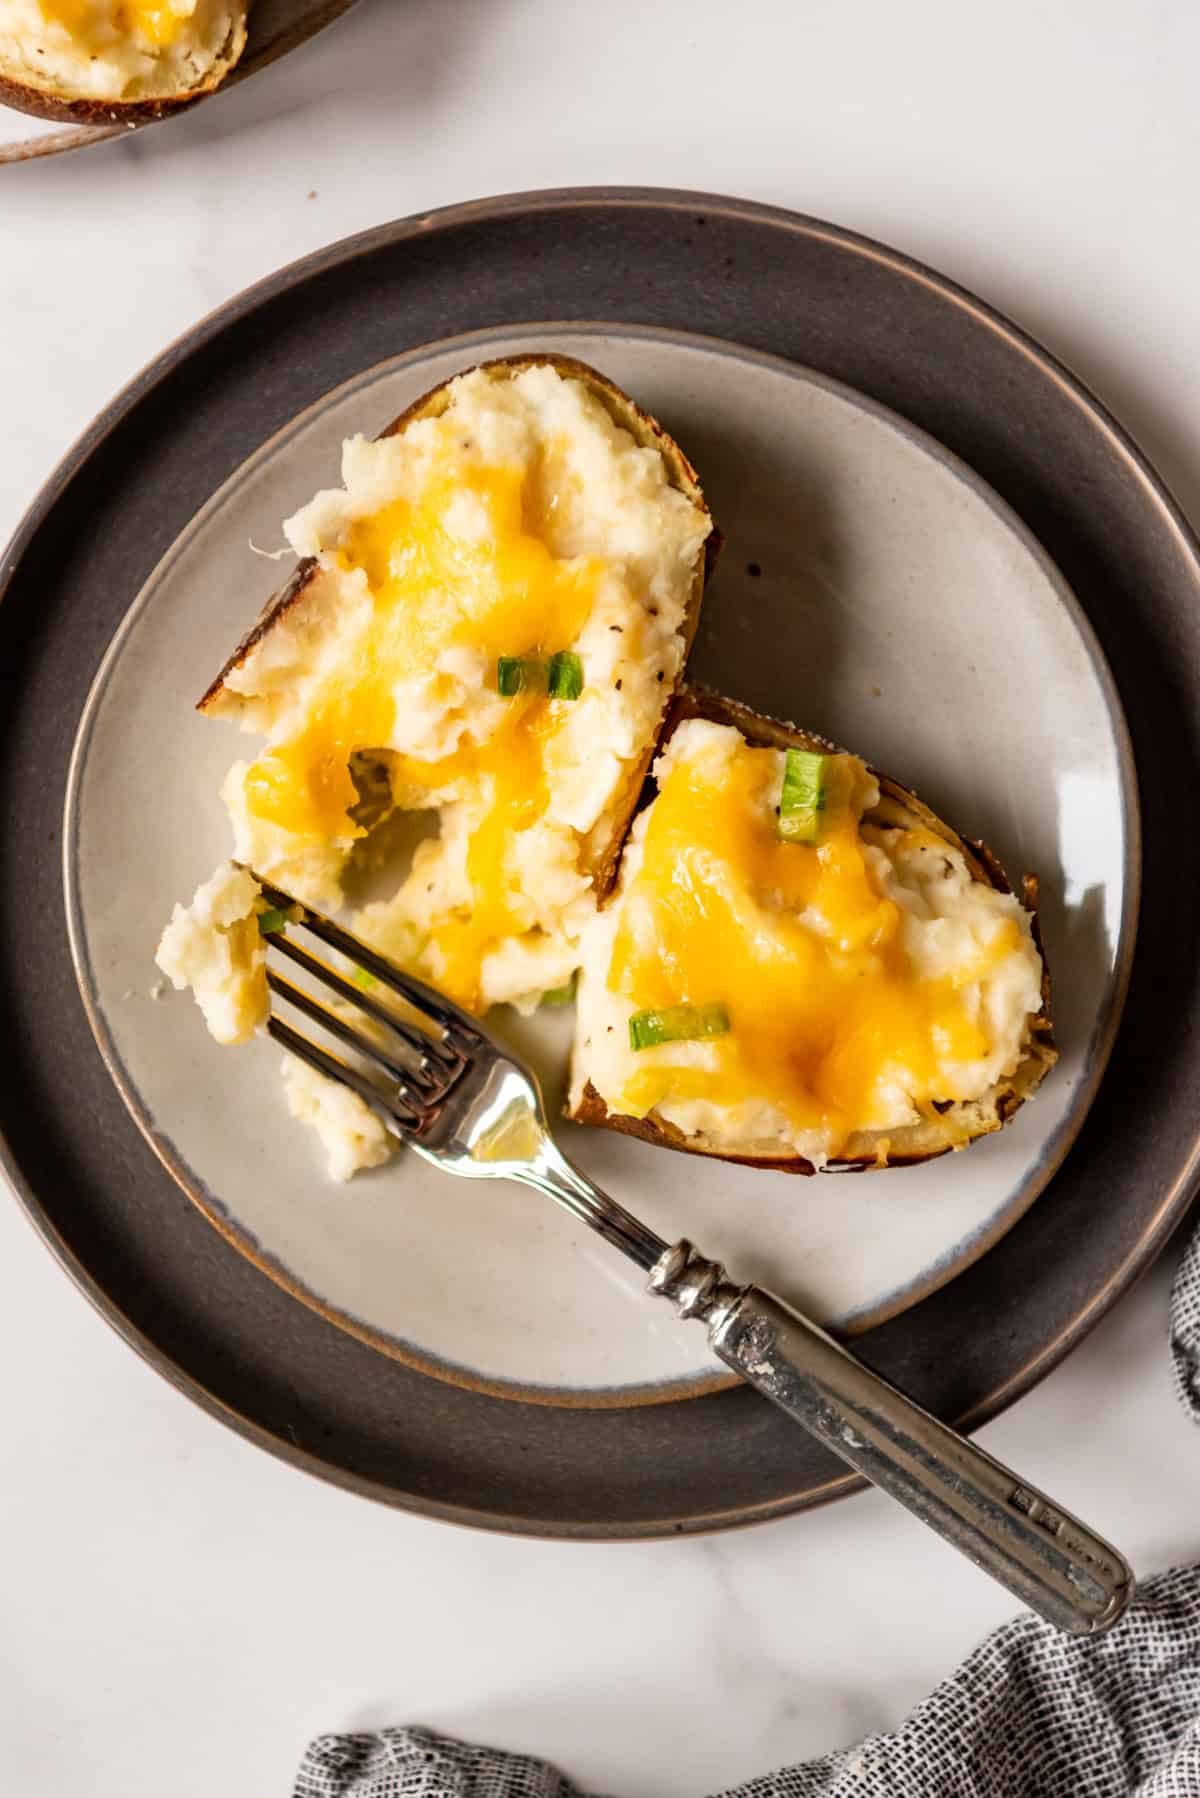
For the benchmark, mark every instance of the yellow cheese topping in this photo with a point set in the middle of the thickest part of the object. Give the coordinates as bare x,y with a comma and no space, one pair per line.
500,592
93,23
509,771
799,943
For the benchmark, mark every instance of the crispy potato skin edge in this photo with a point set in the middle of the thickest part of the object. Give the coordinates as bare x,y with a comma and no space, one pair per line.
65,109
1004,1100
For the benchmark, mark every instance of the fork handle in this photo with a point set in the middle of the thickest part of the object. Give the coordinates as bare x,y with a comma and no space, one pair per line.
1052,1562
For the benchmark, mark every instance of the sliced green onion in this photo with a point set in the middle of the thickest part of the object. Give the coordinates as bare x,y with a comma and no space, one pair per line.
677,1024
361,978
803,796
519,674
271,921
561,676
561,995
566,675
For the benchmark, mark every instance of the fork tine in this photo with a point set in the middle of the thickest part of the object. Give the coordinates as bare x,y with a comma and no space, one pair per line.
409,1091
458,1024
336,1069
432,1056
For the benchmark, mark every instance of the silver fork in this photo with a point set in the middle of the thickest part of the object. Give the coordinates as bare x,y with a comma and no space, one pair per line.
449,1091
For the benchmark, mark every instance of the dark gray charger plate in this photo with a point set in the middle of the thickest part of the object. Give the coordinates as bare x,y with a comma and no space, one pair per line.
852,309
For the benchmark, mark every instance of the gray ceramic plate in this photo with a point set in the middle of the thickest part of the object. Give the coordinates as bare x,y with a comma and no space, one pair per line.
895,604
769,281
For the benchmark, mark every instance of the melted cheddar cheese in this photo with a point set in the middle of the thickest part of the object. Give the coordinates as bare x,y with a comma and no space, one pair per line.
496,591
501,594
94,24
845,1015
509,775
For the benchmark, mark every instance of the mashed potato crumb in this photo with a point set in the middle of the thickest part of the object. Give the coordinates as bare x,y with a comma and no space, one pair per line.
351,1134
215,947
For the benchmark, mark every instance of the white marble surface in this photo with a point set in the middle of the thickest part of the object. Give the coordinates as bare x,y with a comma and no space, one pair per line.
180,1611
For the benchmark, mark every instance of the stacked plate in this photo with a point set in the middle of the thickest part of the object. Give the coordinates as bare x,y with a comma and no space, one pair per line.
938,546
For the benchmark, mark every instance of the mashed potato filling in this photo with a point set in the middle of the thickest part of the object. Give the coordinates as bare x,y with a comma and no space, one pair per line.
520,525
214,945
859,981
116,49
352,1135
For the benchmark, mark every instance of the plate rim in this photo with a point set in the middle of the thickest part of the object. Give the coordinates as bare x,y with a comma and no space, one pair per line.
896,1300
1155,493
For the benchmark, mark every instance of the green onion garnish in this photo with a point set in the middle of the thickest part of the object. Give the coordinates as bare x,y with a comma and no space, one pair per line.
561,676
361,978
519,674
566,675
803,796
677,1024
271,921
561,995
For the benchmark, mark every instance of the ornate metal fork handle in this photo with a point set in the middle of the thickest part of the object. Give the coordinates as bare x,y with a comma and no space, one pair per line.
1050,1560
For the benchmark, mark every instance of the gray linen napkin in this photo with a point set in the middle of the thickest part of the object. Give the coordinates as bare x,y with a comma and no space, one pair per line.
1030,1714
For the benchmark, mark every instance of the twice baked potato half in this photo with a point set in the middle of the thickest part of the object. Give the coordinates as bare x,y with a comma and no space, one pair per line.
487,623
116,62
802,967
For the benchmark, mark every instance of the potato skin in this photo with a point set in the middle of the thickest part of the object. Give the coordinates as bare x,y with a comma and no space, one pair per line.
648,434
63,110
276,608
591,1109
67,109
963,1121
